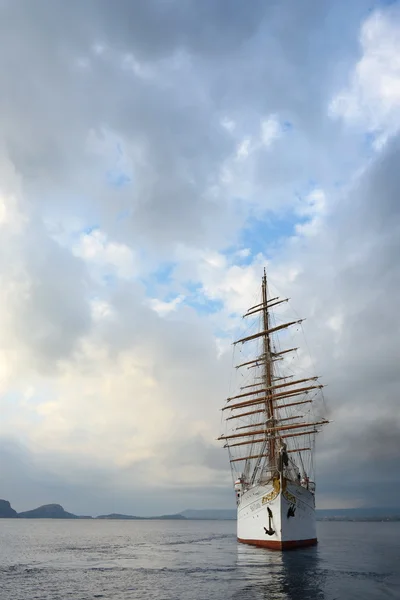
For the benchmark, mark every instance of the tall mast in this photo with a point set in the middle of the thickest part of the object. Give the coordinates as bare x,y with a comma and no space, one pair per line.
267,378
268,368
269,397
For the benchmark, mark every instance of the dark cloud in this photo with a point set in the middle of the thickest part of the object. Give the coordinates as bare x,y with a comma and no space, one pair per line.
207,60
351,273
83,82
44,295
90,490
56,313
153,28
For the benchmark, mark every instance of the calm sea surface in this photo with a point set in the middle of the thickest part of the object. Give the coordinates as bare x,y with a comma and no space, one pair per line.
83,560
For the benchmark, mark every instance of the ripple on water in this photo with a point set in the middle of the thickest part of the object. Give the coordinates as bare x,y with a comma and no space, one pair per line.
192,560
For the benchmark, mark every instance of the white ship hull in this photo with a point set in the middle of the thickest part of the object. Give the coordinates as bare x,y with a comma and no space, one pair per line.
277,516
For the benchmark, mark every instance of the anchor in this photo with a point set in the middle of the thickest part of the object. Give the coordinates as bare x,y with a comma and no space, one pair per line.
269,531
291,511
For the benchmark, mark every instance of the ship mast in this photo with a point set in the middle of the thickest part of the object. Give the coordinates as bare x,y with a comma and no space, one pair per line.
268,369
268,398
267,377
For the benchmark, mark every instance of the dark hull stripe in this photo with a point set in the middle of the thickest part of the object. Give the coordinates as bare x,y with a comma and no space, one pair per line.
280,545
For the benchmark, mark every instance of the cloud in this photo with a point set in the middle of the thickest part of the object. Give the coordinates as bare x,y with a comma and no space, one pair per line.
95,249
372,99
171,133
344,279
137,147
163,308
349,279
40,316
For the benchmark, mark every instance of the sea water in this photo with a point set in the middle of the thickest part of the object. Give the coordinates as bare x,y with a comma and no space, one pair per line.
121,560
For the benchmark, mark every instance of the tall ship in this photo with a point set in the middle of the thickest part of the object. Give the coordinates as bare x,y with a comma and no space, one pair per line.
271,423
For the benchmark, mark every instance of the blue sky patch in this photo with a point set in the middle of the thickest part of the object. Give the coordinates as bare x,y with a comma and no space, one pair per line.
89,229
119,176
162,276
110,280
260,234
202,304
117,179
124,214
287,126
164,273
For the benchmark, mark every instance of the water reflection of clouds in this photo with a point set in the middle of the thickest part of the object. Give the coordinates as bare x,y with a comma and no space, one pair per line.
272,575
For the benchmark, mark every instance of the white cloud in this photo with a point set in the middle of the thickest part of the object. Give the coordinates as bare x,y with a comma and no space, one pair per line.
127,407
243,149
372,99
234,285
101,309
243,253
131,63
98,49
13,215
165,307
95,249
228,124
270,130
313,207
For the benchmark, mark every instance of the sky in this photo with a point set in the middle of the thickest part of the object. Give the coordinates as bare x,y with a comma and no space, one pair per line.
155,155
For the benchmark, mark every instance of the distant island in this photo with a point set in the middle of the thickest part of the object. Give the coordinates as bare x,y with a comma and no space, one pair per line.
6,512
56,511
223,514
48,511
115,516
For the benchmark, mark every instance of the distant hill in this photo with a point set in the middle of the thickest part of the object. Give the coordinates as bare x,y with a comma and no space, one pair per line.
48,511
217,514
56,511
178,516
116,516
6,512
